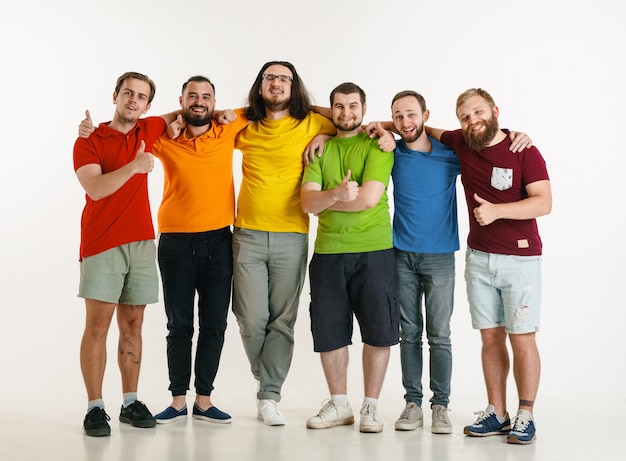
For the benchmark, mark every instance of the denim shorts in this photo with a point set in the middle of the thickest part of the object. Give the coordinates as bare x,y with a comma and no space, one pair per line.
363,285
126,274
503,290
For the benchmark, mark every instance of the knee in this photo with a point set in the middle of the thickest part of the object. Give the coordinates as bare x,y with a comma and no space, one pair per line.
251,326
131,324
493,337
442,341
521,342
97,329
410,335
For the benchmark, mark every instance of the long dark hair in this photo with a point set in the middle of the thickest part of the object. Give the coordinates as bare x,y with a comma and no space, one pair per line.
299,103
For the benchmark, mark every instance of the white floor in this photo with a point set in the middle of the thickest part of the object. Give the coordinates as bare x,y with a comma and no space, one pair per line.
579,411
46,432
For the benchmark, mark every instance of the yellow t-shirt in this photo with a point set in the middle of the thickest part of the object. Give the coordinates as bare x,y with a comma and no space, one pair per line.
269,197
198,189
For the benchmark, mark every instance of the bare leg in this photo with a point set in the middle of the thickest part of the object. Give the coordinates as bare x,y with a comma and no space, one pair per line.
495,359
130,321
526,368
375,360
203,401
335,364
93,353
179,402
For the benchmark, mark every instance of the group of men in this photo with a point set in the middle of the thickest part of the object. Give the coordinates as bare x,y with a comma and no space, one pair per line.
362,266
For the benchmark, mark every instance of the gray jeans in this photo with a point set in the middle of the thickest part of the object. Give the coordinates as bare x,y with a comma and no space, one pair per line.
426,294
268,275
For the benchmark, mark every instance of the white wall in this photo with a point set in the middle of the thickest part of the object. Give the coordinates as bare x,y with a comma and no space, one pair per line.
555,68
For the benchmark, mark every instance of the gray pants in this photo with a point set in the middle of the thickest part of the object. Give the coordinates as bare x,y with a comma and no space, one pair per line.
268,275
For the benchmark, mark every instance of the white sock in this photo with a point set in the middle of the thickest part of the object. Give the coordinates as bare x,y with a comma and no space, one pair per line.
340,399
129,397
370,400
95,403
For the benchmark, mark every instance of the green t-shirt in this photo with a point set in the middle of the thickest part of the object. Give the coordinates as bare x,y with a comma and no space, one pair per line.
352,232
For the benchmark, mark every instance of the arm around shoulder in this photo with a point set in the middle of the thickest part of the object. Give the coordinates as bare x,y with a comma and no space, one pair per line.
434,132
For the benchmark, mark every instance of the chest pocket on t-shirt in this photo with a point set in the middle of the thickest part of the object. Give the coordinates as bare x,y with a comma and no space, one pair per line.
501,178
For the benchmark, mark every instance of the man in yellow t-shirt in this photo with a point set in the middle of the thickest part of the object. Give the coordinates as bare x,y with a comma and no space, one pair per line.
270,239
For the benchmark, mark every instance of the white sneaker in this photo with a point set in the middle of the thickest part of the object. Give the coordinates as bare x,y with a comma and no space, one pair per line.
369,419
331,415
269,413
411,418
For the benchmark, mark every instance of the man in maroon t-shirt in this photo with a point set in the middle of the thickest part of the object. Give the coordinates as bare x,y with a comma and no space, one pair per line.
505,192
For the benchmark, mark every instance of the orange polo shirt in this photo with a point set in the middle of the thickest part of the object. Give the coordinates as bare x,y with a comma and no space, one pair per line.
198,190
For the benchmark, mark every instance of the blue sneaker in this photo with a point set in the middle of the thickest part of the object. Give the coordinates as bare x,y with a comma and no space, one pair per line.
212,415
523,431
488,424
171,414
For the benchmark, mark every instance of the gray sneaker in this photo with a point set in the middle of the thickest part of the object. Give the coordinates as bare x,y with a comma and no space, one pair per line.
369,419
411,418
441,422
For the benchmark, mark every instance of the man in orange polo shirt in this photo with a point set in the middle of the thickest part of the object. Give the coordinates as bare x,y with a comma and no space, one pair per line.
195,246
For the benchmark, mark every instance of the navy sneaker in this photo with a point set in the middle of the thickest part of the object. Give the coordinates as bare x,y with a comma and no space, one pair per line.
523,431
137,414
171,414
488,424
212,415
96,424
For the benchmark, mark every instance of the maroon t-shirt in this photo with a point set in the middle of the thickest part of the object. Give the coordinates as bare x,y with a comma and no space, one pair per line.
499,176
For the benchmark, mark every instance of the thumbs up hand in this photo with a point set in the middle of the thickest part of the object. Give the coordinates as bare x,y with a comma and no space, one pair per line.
347,190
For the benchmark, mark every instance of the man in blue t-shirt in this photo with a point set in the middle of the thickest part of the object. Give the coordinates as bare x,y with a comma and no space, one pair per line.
425,236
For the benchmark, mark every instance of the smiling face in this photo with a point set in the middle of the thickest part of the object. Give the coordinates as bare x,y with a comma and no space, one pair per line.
131,102
198,103
408,118
347,112
479,122
276,93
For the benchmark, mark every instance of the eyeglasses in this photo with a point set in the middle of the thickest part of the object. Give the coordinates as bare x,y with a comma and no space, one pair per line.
282,78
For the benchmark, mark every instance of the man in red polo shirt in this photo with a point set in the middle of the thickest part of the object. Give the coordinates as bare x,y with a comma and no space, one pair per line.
117,250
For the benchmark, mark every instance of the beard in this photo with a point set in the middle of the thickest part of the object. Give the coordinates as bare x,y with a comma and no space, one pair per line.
348,126
276,106
197,119
412,137
477,141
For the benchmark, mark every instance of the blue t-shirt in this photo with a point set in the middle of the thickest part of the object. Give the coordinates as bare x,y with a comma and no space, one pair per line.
424,189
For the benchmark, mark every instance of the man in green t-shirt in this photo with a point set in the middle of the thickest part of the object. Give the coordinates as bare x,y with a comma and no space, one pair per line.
352,271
